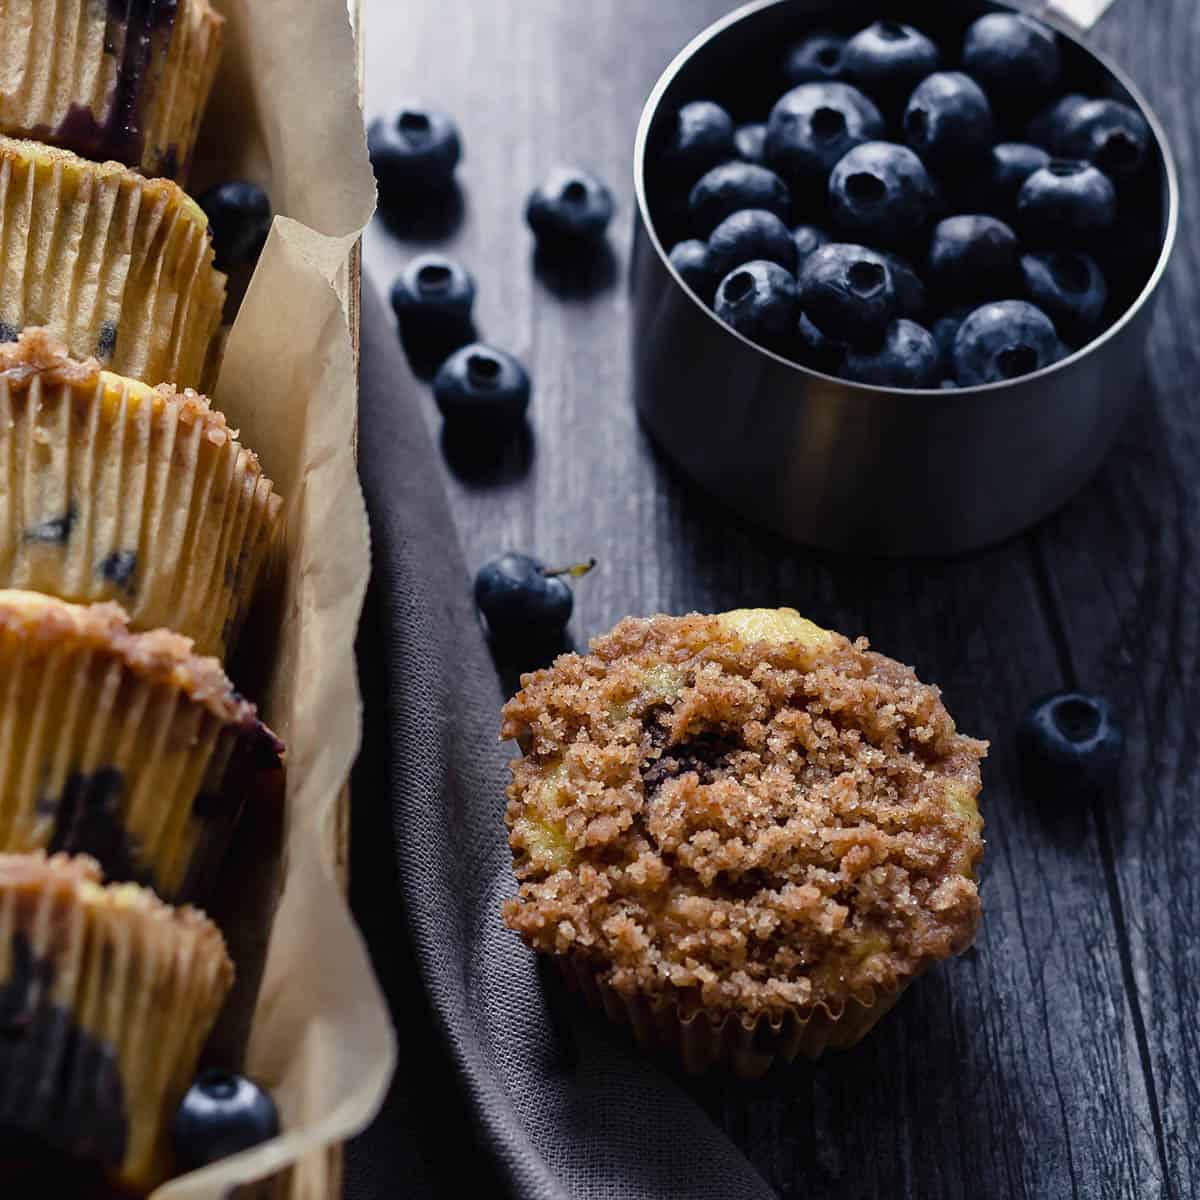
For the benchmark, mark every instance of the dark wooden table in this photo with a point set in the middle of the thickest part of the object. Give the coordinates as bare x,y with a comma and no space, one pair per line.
1062,1056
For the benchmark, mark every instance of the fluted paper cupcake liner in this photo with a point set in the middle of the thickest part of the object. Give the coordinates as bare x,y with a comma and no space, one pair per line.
117,266
107,79
743,1044
110,490
107,996
125,746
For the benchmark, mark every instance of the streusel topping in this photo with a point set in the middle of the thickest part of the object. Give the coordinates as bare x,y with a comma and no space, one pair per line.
743,812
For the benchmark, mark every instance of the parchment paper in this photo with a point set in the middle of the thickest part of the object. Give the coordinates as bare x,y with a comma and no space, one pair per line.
285,112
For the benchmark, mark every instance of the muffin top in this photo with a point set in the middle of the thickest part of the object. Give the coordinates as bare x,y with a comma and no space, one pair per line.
38,355
742,812
164,191
45,624
76,880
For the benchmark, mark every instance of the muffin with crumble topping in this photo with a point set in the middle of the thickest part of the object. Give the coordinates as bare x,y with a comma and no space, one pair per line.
742,834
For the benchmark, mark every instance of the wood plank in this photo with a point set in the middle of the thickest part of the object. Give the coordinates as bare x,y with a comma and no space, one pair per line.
1017,1072
1123,563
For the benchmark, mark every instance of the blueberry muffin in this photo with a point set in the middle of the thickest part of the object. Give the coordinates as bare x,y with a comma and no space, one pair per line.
107,996
125,81
743,834
112,490
124,746
117,266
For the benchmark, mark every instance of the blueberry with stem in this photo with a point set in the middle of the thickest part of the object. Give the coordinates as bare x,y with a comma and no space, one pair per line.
523,601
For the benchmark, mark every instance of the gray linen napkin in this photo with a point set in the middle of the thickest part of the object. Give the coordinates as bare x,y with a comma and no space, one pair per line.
500,1070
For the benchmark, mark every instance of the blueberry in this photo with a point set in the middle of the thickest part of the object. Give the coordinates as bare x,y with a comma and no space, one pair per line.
908,358
483,388
911,297
690,260
751,143
239,219
1014,57
816,124
882,192
1066,203
973,257
523,602
814,349
889,59
750,234
221,1114
848,292
571,208
1003,341
701,138
1047,128
758,299
1010,164
807,239
1070,288
414,150
733,186
815,59
945,330
433,291
948,385
948,121
1109,134
1071,746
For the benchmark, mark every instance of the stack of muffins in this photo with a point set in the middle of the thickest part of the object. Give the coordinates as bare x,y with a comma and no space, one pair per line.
134,528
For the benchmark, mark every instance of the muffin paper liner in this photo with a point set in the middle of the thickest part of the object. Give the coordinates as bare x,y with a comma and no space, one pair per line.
110,490
107,996
119,745
745,1045
117,266
124,81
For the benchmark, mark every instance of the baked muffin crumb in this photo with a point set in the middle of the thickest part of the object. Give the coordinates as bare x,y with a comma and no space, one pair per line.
742,813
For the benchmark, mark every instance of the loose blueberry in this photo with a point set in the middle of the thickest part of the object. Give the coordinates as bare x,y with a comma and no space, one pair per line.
1004,341
815,59
848,292
911,297
948,121
889,59
221,1114
701,138
483,388
522,601
1048,127
433,291
1010,164
758,299
1067,203
690,259
751,234
973,258
817,351
816,124
734,186
751,143
414,151
908,358
1070,288
807,239
1113,136
572,208
1014,57
239,219
882,192
1071,746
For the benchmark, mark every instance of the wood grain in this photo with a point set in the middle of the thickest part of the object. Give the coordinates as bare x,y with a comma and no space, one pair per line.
1060,1058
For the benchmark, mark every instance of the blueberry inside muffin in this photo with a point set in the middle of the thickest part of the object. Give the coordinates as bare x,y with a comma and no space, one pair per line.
742,814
